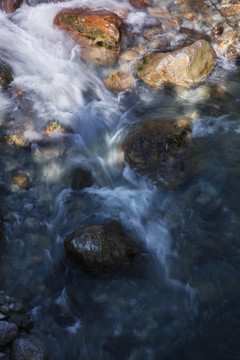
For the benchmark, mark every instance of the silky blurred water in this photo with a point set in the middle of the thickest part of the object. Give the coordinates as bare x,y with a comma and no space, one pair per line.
184,304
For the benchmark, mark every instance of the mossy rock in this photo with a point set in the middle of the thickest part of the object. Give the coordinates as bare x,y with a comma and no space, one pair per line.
6,74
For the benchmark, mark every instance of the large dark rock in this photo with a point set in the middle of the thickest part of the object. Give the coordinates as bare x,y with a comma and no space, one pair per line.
102,247
81,179
8,332
98,33
25,349
151,144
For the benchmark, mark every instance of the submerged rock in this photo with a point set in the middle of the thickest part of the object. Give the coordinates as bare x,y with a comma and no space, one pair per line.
185,67
151,144
81,179
9,6
6,74
101,247
8,332
120,81
21,181
98,33
1,229
24,349
55,127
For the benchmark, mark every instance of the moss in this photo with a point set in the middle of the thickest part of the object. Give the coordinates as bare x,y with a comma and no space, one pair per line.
99,43
140,68
5,75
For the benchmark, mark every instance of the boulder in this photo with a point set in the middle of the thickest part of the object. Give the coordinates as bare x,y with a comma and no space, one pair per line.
184,67
120,81
9,6
151,144
98,33
24,349
101,247
81,179
8,332
6,74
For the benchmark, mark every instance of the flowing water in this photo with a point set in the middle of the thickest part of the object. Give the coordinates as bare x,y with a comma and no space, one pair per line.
184,305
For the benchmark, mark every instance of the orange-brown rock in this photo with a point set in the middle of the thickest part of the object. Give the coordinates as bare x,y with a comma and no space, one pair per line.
120,81
98,33
231,10
139,3
9,6
55,127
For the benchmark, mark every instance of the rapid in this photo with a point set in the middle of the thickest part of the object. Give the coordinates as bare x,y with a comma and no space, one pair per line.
185,303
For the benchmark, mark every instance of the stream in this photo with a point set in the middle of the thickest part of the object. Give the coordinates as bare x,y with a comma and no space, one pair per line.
185,303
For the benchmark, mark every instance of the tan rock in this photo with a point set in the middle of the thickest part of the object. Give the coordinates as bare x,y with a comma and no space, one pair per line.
231,10
98,33
154,31
55,127
159,13
120,81
185,67
17,139
21,181
225,37
128,55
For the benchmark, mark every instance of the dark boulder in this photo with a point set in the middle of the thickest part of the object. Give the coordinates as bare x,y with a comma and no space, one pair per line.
151,145
26,349
102,247
81,179
8,332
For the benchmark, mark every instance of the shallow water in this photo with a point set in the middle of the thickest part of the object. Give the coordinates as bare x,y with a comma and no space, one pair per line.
184,305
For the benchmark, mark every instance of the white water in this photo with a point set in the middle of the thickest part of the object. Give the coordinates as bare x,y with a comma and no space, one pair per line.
74,312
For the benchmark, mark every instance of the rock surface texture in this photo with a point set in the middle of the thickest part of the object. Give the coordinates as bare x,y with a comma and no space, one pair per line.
24,349
8,332
152,144
98,33
101,247
9,6
185,67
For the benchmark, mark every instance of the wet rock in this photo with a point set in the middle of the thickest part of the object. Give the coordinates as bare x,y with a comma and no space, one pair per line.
24,349
55,127
98,33
151,144
231,10
128,56
21,320
185,67
193,34
9,6
159,13
21,181
16,139
1,229
152,32
81,179
101,247
140,3
120,81
226,39
6,74
8,332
